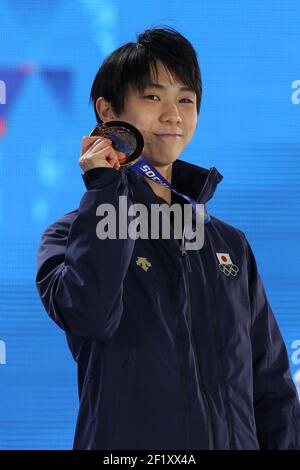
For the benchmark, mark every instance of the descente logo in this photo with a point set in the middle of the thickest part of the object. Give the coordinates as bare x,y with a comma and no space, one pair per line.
2,352
2,92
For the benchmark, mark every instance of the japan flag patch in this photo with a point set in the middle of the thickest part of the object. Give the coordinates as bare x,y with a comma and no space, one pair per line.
226,265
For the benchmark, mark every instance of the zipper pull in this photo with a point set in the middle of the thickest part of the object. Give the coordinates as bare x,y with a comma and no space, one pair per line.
184,254
188,262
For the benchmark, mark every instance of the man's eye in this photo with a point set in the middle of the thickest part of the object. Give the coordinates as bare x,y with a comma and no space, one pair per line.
188,100
151,96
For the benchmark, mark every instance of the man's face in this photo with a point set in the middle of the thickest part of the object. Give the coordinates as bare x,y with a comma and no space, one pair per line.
164,114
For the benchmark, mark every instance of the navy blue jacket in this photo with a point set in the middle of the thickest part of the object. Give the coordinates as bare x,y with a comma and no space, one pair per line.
176,356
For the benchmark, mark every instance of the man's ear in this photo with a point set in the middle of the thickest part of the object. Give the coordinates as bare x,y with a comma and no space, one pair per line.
104,110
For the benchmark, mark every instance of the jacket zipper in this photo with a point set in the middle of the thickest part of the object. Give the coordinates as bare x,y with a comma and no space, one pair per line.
187,269
184,255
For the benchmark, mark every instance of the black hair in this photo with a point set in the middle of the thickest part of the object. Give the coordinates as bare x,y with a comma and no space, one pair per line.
132,63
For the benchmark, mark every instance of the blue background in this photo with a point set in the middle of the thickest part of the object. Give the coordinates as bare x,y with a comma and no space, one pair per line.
248,128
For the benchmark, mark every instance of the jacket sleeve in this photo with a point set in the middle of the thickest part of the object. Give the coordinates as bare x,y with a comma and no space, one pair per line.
276,404
79,276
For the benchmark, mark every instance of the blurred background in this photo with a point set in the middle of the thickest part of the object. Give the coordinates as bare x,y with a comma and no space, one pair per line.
249,128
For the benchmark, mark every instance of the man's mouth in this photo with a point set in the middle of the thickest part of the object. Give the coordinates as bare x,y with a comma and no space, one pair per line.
169,136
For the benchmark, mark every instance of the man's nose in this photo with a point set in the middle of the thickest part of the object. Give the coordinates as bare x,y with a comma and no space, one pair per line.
171,114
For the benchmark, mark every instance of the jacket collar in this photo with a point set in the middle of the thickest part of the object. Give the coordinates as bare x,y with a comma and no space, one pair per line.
192,180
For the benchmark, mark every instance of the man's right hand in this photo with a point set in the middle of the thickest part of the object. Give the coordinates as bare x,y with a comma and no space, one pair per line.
98,152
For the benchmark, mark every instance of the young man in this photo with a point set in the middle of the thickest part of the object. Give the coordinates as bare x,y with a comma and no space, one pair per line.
180,350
